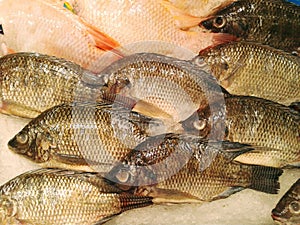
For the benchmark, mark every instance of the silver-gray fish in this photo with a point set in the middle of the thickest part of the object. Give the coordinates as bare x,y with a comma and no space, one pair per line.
86,136
31,83
54,197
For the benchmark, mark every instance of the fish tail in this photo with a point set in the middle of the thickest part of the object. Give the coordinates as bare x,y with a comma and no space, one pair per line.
129,201
265,179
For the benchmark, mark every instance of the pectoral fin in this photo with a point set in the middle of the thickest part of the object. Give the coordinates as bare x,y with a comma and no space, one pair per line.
12,108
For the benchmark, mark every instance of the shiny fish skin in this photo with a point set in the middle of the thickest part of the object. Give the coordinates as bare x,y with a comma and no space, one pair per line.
57,197
169,153
187,183
274,22
288,208
256,70
82,136
31,83
272,129
176,87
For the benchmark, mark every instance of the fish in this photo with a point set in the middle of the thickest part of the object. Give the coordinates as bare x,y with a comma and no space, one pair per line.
246,68
275,23
171,172
288,208
31,83
272,129
83,136
53,196
43,27
138,21
175,88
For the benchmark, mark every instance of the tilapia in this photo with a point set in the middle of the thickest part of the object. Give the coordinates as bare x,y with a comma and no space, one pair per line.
287,210
41,26
272,129
274,22
177,88
165,174
85,136
63,197
245,68
30,83
132,21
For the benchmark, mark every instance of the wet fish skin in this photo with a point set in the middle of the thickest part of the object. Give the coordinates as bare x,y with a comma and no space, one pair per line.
245,68
270,128
176,87
275,23
86,136
288,207
181,180
67,197
31,83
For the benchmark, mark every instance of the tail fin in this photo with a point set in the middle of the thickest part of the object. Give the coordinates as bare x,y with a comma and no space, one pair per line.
129,201
265,179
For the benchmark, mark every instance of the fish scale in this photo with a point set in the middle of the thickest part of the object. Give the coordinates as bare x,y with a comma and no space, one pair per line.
270,128
63,197
90,136
246,68
31,83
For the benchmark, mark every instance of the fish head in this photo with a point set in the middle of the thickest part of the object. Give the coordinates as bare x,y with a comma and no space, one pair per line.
287,211
8,208
127,177
32,144
227,23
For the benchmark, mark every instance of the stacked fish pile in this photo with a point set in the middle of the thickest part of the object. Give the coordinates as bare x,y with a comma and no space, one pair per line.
119,130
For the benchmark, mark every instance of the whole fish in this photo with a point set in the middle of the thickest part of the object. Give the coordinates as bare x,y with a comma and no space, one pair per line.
170,152
30,83
85,136
245,68
142,21
63,197
272,129
176,88
163,173
274,22
288,208
43,27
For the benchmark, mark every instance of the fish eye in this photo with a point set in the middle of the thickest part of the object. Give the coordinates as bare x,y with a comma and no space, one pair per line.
294,207
123,176
22,138
219,22
199,124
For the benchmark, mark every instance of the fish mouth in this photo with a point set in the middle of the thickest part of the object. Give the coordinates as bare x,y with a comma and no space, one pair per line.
276,217
15,147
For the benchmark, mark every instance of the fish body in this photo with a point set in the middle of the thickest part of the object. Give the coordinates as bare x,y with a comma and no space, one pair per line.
63,197
133,21
43,27
85,136
288,208
167,173
31,83
176,87
245,68
272,129
275,22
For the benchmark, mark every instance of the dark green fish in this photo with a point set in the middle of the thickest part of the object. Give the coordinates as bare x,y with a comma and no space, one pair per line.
273,22
287,210
54,197
181,168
